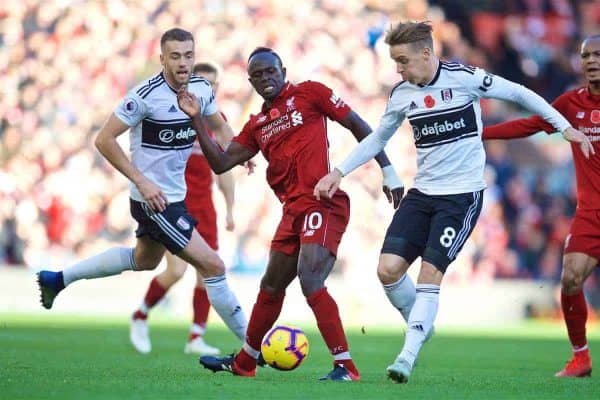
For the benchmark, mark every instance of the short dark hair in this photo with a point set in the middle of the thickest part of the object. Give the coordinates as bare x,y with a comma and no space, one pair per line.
418,34
205,67
261,49
176,34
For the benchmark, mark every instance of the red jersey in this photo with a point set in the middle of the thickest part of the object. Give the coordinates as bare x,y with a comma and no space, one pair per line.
582,110
292,136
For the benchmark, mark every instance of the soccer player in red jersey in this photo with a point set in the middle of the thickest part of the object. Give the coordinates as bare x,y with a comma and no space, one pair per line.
199,202
290,131
581,107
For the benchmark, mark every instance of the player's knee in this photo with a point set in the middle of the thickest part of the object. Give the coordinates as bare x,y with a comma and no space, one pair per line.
387,272
571,280
311,280
211,265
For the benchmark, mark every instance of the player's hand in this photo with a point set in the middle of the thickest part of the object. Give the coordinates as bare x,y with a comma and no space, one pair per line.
328,185
187,102
250,165
229,222
153,195
574,136
392,186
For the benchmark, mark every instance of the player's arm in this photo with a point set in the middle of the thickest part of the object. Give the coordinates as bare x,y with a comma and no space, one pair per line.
500,88
106,143
392,185
518,128
220,161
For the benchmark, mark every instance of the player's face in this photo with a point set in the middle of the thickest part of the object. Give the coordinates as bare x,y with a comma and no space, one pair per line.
177,59
211,77
590,60
413,64
266,75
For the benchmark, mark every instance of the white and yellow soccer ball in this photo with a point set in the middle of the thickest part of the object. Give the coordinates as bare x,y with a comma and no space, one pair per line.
285,347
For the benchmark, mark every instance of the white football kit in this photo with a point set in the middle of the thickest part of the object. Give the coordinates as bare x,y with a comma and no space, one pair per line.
445,117
161,135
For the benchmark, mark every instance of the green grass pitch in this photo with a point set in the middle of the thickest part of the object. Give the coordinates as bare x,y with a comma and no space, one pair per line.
51,356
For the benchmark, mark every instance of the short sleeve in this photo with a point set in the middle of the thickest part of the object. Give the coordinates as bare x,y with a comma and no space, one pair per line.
328,102
246,138
132,109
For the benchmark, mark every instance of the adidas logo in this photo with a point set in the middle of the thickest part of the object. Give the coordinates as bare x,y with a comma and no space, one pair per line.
173,108
412,106
418,327
236,310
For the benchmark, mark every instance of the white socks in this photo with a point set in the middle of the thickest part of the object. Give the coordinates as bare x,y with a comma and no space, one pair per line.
420,321
111,262
226,305
402,295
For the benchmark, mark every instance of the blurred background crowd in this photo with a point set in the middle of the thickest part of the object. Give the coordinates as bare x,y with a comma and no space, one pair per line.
65,64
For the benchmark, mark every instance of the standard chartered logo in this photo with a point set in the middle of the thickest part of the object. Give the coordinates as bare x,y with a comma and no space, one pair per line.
168,135
437,128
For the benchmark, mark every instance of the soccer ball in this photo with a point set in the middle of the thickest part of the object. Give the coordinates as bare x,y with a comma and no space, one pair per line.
284,347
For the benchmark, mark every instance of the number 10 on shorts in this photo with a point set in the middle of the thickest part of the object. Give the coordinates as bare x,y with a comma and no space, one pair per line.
312,222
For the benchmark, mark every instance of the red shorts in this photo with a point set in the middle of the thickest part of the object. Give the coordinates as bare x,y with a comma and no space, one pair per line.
207,223
307,220
584,236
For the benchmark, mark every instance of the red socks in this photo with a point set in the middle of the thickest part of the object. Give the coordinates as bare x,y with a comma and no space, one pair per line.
201,308
265,312
575,314
153,295
328,320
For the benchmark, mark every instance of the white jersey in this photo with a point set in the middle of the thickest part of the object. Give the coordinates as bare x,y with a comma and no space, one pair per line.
445,117
161,135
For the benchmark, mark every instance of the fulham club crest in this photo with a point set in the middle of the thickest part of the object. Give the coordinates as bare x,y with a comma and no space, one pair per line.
447,95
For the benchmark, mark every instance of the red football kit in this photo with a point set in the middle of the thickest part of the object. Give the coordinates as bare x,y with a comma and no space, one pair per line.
292,136
582,110
198,199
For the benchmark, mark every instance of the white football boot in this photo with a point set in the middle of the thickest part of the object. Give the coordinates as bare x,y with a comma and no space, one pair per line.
199,346
399,371
139,336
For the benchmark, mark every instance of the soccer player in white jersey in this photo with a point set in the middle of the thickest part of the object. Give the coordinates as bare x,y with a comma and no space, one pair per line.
161,139
435,218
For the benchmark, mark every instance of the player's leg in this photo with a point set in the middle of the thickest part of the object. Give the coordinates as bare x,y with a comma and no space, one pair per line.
207,228
320,227
201,307
453,220
577,267
206,261
138,326
281,271
404,241
109,263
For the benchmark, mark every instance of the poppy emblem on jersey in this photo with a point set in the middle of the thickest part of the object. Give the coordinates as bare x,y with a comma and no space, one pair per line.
429,101
274,113
447,95
131,106
595,116
183,223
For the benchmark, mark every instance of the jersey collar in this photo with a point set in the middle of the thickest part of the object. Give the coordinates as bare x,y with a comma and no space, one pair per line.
436,76
282,95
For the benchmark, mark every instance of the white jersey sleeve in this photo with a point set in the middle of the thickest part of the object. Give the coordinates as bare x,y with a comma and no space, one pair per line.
373,144
487,85
132,108
206,97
